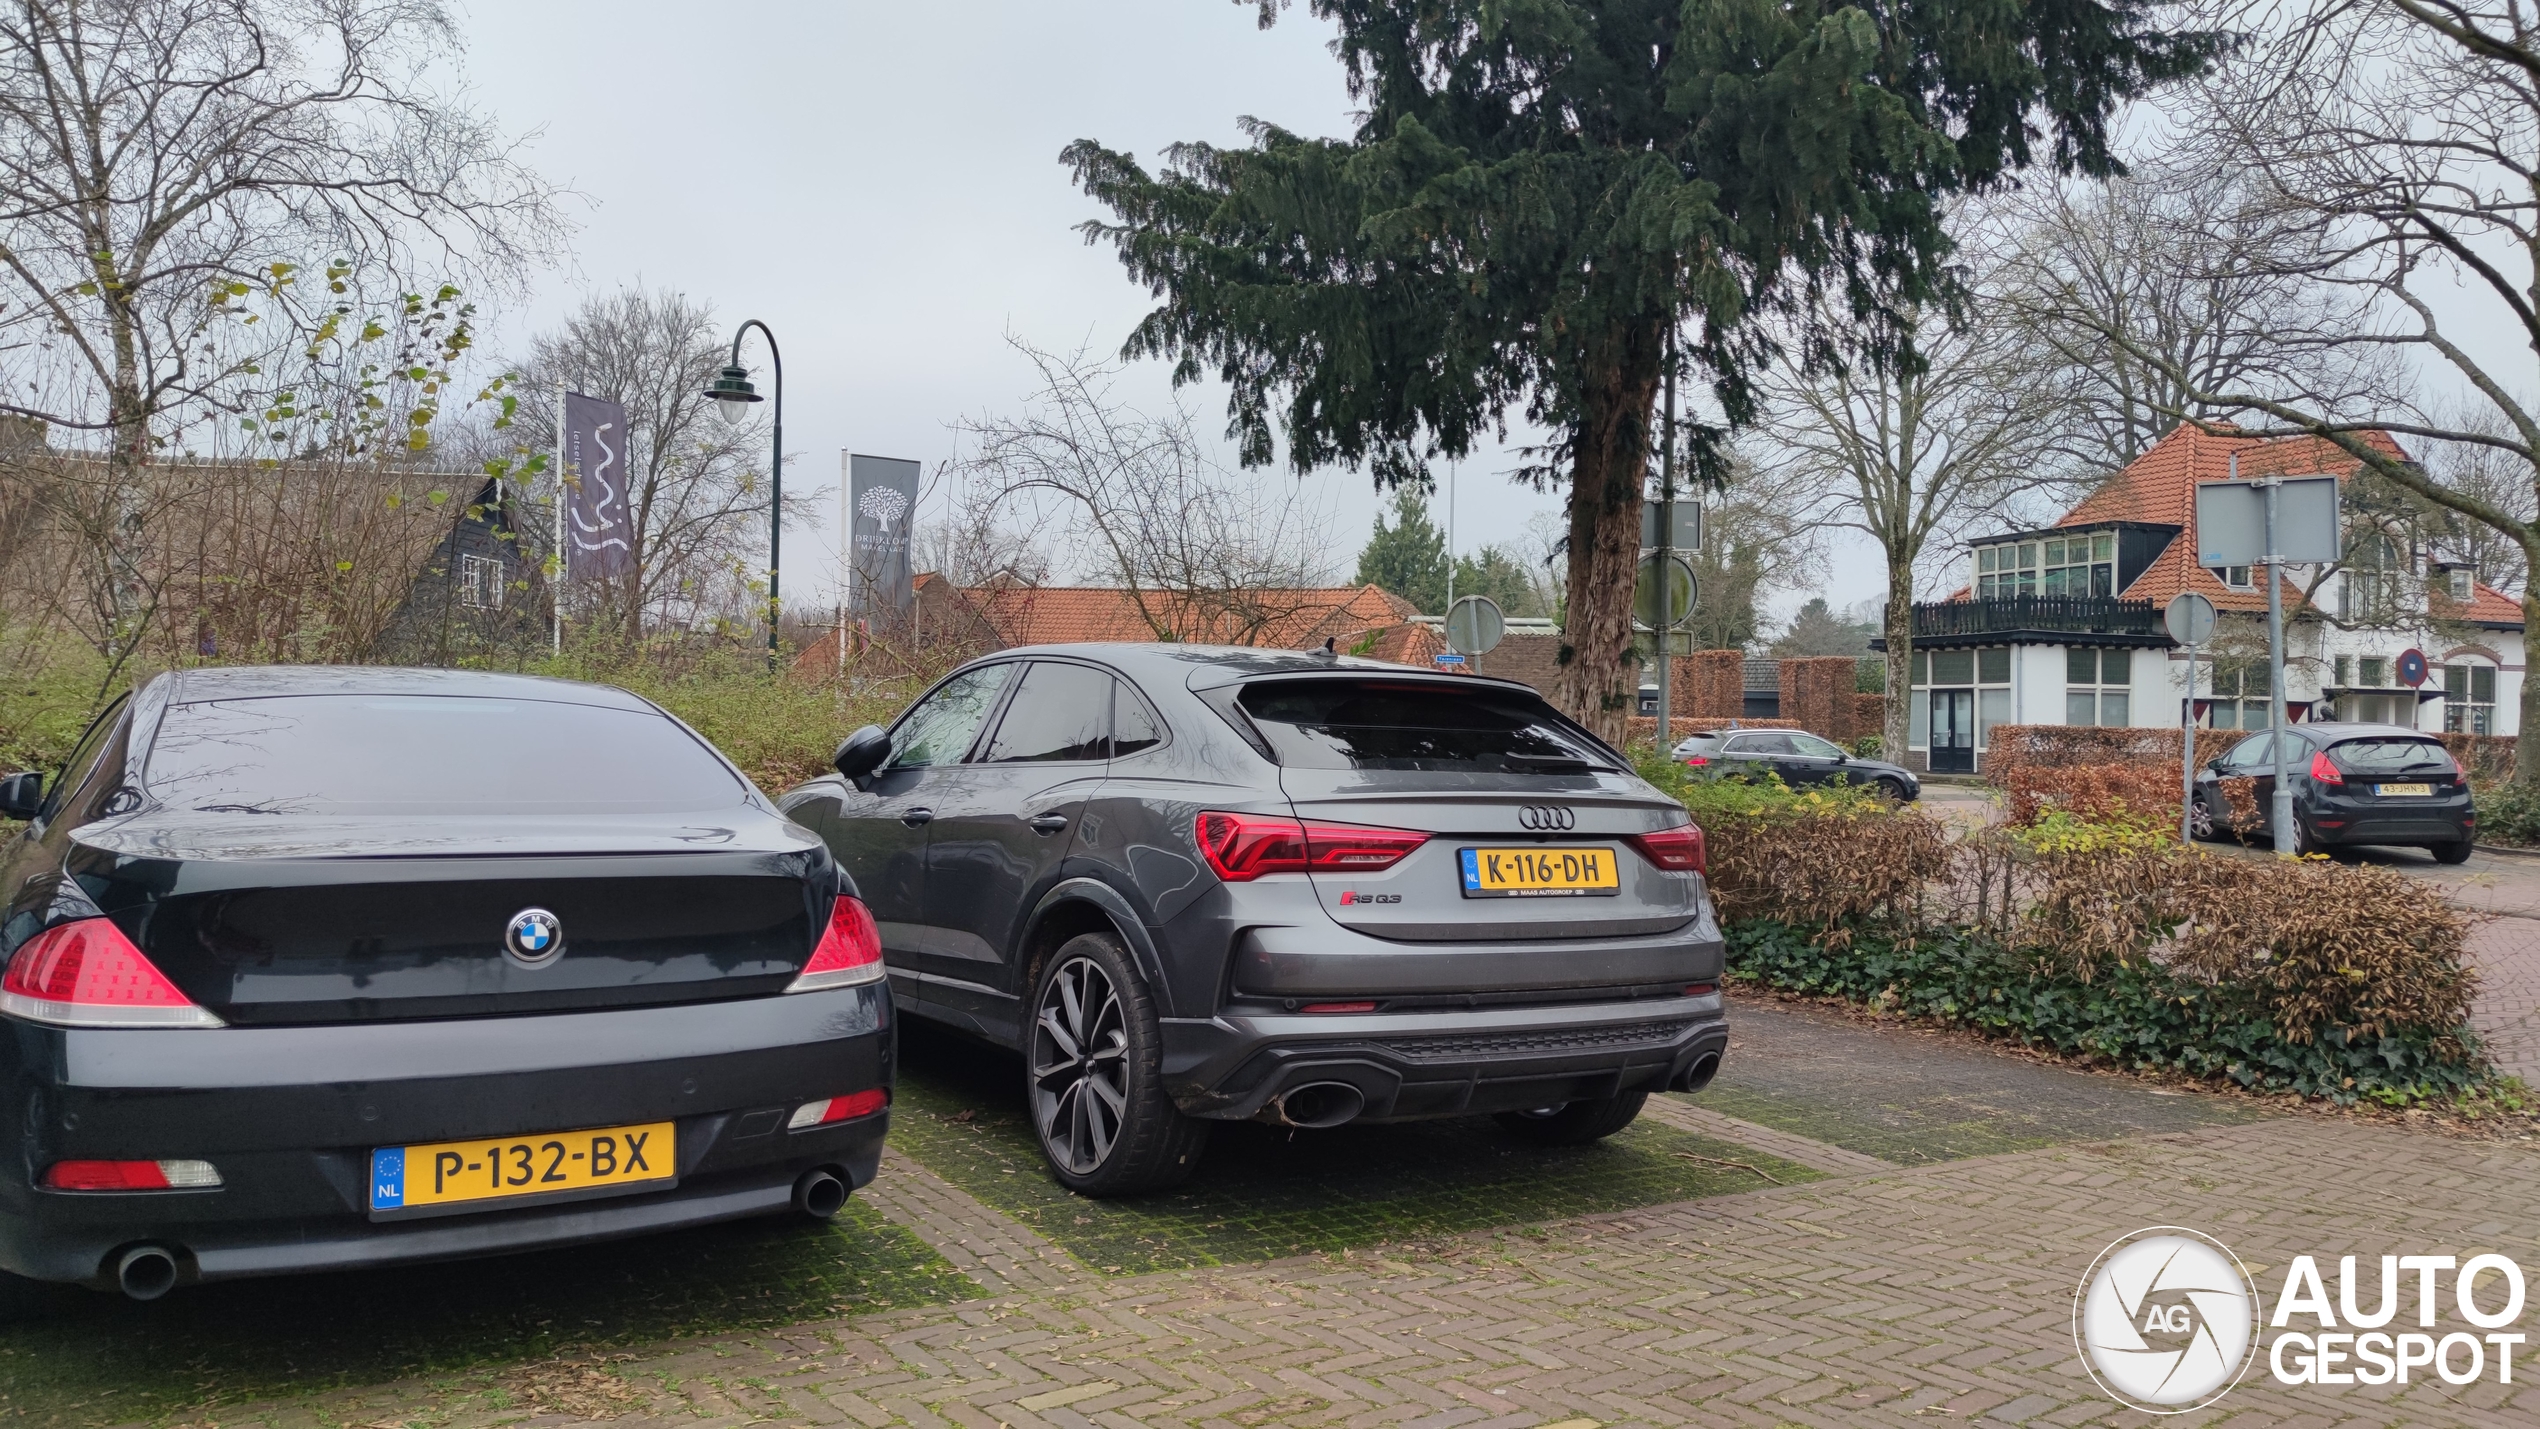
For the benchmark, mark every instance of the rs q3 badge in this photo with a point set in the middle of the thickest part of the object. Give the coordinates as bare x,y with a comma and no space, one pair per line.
534,938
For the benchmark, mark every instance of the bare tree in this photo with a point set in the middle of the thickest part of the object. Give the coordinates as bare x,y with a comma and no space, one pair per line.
2399,143
2193,265
1912,455
160,159
978,540
1203,552
698,490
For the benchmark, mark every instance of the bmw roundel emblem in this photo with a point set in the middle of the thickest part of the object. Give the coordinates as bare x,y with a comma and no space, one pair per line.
534,937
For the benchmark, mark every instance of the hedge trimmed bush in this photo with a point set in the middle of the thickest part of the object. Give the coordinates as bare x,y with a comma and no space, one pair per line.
2099,936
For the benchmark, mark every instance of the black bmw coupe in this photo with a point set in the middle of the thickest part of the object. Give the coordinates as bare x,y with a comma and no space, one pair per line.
317,968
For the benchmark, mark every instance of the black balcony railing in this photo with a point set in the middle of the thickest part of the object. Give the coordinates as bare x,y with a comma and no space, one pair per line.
2065,614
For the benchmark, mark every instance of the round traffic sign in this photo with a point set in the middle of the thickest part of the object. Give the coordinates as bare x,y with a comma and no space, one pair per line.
1680,593
1474,624
2412,668
2190,618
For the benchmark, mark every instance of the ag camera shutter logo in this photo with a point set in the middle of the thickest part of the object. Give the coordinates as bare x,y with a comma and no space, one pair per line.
2166,1320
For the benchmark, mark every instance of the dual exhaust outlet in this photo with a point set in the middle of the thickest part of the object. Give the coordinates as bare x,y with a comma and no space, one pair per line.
1317,1105
146,1272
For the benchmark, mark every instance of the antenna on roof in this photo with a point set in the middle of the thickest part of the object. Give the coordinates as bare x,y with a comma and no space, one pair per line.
1331,647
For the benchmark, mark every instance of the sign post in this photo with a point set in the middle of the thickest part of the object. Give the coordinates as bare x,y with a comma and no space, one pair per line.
2190,618
2271,523
1474,625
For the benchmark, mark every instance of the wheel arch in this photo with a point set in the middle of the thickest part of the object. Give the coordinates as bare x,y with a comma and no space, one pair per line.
1077,906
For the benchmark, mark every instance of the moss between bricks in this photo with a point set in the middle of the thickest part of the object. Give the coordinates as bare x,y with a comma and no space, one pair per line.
96,1359
1263,1192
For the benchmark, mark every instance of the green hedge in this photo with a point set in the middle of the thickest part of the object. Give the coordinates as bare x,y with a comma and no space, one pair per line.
2138,1016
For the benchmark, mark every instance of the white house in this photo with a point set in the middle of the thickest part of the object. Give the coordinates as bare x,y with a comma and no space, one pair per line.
2063,625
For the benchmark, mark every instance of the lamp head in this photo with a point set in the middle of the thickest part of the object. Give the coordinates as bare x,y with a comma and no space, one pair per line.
733,394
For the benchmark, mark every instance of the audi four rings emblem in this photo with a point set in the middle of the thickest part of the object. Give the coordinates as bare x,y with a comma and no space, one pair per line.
1545,818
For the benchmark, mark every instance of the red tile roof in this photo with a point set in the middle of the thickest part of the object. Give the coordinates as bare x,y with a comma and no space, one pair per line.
2159,487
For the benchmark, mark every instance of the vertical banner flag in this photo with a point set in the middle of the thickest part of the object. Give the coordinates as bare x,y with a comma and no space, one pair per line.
882,501
596,520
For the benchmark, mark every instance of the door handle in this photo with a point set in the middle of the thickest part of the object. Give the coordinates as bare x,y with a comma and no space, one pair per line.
1048,823
915,817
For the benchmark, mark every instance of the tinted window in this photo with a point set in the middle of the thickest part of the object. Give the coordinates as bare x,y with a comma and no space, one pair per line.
353,754
1760,744
2392,756
94,769
1338,724
1059,712
2251,751
1814,747
1132,728
940,729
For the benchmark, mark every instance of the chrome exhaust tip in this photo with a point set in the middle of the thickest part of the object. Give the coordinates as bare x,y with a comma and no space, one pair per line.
820,1193
146,1272
1318,1105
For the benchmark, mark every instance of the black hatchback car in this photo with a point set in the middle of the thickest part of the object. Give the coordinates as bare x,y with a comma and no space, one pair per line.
2352,784
1199,884
319,968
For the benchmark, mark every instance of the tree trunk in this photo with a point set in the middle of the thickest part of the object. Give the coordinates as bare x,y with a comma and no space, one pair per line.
2527,726
1599,679
1899,704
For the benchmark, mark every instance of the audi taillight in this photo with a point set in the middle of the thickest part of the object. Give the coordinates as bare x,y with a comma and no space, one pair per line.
850,950
88,974
1677,850
1243,847
2324,772
1695,761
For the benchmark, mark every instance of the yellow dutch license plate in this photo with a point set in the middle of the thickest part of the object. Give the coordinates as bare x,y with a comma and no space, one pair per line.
1541,872
501,1168
2416,790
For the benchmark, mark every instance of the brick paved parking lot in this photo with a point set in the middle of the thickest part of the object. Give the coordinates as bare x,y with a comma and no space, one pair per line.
1879,1293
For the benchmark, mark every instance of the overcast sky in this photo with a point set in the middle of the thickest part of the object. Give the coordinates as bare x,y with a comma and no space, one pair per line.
880,183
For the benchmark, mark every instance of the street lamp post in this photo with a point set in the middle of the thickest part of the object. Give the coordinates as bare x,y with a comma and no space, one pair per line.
734,395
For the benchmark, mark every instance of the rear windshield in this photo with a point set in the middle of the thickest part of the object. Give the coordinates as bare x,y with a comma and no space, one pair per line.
1339,724
2392,756
364,754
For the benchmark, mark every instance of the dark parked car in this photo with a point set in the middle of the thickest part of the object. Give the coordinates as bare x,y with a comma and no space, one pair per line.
2352,784
317,968
1193,884
1797,756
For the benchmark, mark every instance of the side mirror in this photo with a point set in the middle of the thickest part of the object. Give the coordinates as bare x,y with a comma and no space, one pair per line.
862,753
21,795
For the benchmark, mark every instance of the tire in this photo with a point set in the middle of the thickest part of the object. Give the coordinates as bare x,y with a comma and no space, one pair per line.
1093,1076
2305,842
1574,1123
2451,852
1892,790
2202,823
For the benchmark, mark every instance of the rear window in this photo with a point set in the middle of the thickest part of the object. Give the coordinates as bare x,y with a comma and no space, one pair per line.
2392,756
1336,724
361,754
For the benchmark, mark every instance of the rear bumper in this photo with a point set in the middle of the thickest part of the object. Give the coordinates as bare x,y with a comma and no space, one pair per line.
289,1116
2338,819
1415,1065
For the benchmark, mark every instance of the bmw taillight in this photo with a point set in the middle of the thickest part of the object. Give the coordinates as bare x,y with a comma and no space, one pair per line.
850,950
1243,847
1677,850
88,974
131,1176
2324,772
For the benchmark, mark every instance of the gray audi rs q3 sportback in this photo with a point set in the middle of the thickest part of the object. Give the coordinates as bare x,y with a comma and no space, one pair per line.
1195,884
310,969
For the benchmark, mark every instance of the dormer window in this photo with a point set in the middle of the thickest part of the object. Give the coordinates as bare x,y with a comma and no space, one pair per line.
2236,577
2084,564
2459,580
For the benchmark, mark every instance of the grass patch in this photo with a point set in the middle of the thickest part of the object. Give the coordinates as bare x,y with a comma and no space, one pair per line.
1265,1192
97,1359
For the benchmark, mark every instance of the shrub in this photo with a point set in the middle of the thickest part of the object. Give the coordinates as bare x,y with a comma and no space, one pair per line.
2149,790
1868,746
2508,814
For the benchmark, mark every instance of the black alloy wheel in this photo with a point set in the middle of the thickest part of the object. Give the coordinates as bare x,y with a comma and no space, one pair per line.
1093,1071
1574,1123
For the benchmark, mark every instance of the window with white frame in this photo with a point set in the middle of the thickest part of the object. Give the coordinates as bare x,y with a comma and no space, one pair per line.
2240,695
2469,699
2080,564
2236,577
2006,571
2375,565
480,582
1988,670
2098,686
